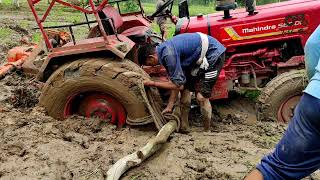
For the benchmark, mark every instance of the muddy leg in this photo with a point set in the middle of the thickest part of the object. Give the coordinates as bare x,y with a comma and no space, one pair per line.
185,108
206,111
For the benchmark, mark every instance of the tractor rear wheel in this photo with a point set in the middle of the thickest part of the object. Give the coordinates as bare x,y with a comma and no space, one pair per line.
280,96
106,88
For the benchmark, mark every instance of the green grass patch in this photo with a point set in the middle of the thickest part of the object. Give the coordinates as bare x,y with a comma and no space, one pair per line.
5,33
36,37
251,94
194,10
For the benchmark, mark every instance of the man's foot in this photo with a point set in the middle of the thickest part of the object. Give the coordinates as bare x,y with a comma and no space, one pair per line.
207,124
207,129
184,131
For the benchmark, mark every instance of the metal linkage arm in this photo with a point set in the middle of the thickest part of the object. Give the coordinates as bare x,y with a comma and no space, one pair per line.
94,10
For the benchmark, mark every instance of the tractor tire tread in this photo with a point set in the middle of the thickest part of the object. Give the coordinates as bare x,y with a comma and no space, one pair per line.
276,90
120,76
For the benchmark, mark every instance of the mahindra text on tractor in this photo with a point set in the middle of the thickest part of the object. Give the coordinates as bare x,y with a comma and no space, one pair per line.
99,76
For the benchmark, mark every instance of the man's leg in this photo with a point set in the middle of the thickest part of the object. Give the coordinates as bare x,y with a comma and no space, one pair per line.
207,80
298,152
206,110
164,30
185,103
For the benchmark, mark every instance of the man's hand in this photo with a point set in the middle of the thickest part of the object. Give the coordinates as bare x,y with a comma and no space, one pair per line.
174,19
148,82
168,109
162,84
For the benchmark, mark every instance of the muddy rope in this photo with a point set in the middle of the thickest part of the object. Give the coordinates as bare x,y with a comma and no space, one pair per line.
167,123
159,119
153,145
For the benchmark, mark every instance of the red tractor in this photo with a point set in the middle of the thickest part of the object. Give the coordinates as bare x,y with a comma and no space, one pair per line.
100,76
264,50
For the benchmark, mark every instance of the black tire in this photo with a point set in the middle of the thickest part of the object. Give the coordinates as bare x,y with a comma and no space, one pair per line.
115,77
278,91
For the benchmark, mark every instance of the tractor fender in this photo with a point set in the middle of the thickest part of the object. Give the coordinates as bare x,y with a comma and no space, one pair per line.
115,46
120,81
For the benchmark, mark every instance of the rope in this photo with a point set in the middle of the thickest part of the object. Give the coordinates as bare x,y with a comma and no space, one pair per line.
172,117
159,119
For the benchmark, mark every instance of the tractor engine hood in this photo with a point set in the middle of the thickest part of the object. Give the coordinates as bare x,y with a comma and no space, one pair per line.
273,20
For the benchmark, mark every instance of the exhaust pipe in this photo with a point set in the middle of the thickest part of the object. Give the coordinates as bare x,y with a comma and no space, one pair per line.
226,5
184,9
251,7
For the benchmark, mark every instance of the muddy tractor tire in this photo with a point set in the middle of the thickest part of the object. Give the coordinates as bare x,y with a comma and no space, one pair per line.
101,87
280,96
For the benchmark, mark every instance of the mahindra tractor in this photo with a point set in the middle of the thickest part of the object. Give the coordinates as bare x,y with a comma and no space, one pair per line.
99,76
264,50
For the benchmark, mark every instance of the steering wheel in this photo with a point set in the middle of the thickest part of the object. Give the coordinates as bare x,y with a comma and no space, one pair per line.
167,5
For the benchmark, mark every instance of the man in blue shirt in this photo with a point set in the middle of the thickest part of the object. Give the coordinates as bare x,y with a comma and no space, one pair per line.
193,62
297,154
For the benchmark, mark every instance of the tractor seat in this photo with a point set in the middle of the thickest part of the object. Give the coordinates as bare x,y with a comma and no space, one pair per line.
136,31
110,12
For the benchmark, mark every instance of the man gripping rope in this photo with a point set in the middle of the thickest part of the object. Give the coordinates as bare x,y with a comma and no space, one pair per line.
193,62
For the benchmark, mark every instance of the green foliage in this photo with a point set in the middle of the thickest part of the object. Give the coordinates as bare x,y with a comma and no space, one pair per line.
5,32
129,6
194,9
36,37
260,2
251,94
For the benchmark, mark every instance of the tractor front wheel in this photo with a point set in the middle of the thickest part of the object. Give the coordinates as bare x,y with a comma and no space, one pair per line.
280,96
106,88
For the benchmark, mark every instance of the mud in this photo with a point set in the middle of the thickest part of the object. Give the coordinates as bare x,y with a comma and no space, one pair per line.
35,146
18,91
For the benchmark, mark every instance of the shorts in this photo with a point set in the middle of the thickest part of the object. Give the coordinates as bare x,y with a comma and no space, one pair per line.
297,154
205,79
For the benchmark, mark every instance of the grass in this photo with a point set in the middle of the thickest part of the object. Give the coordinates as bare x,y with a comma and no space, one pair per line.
63,15
194,10
251,94
5,32
36,37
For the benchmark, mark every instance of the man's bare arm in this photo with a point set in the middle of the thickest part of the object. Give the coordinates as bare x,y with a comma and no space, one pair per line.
172,101
163,84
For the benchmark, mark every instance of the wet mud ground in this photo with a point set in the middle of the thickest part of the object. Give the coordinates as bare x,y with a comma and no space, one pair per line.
36,146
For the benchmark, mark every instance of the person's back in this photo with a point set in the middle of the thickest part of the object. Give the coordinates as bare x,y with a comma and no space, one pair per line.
312,59
161,19
187,48
193,62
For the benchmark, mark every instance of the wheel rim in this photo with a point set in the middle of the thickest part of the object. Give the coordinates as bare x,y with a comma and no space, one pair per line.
286,110
96,105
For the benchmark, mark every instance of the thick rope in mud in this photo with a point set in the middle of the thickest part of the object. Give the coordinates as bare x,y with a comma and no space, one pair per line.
166,123
158,119
132,160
